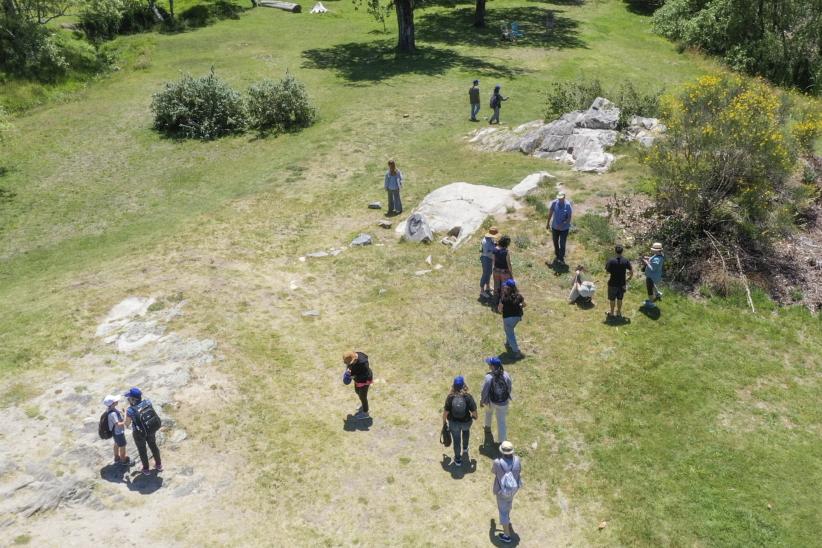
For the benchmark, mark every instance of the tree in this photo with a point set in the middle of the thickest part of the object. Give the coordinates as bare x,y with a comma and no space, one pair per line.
406,42
479,14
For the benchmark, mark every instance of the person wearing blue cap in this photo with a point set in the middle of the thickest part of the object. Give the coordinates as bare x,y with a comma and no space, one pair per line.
496,104
459,412
144,423
510,305
474,99
496,394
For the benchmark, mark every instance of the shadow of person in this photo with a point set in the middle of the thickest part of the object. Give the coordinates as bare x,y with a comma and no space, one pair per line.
458,472
353,424
616,321
558,267
115,473
585,304
651,312
489,448
494,539
145,485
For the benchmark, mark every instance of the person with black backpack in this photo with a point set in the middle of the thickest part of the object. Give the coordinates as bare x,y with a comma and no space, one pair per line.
459,412
144,422
496,103
496,394
112,425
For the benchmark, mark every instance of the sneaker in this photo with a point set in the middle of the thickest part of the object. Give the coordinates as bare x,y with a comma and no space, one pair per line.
146,472
158,468
504,538
518,356
126,462
361,415
457,462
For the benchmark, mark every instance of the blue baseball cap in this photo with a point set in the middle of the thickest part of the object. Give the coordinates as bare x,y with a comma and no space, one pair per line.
459,381
134,393
510,282
495,361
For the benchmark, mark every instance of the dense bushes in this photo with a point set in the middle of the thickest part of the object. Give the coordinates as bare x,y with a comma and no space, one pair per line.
279,106
207,107
721,172
569,96
30,50
200,108
779,39
105,19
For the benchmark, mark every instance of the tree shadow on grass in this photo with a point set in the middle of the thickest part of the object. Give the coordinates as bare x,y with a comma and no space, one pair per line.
378,60
643,7
457,27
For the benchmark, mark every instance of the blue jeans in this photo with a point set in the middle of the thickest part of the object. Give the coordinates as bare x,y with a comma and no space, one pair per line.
394,201
504,506
460,434
508,325
474,110
559,237
486,272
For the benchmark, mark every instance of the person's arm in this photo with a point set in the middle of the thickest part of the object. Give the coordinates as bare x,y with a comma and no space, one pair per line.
445,409
510,382
399,178
127,422
508,260
570,214
630,274
486,387
121,423
445,417
385,182
499,306
473,408
550,215
522,302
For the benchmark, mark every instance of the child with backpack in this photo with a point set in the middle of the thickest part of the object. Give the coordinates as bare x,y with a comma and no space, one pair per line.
144,422
496,394
496,103
458,413
112,425
359,370
507,481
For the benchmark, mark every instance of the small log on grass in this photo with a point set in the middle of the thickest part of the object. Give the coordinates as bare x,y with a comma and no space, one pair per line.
287,6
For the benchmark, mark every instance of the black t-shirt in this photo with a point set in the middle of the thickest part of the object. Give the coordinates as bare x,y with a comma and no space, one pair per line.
469,402
360,370
501,258
617,267
512,306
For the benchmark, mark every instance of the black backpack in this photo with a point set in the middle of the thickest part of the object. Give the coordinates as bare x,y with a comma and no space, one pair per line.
147,418
499,388
459,407
494,101
103,429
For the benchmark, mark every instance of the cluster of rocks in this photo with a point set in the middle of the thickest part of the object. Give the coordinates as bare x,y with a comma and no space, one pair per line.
457,210
579,138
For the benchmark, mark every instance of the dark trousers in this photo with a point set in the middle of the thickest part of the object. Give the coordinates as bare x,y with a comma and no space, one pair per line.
140,440
362,392
559,237
394,201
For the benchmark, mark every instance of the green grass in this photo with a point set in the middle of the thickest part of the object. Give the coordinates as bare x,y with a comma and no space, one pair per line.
677,431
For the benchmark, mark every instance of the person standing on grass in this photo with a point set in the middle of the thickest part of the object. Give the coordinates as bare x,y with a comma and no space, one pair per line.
496,104
360,371
140,417
510,306
501,265
116,425
507,472
459,412
489,243
496,394
621,272
653,274
559,223
474,99
393,184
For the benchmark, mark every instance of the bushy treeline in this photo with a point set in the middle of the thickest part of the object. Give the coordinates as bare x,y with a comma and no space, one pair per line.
208,108
565,97
778,39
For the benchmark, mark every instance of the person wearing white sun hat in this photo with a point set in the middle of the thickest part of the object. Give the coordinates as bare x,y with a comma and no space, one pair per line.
116,426
507,472
653,274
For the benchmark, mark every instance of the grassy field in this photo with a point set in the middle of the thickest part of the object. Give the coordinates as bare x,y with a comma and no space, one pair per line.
697,428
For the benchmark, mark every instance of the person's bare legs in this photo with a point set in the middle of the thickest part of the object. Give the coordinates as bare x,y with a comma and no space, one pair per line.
116,452
612,303
619,307
122,452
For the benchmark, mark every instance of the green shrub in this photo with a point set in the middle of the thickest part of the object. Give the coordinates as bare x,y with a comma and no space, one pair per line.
197,16
569,96
30,50
633,102
137,16
596,229
100,19
199,108
279,106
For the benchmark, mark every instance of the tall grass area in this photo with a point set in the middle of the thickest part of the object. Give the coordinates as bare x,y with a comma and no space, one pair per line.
700,427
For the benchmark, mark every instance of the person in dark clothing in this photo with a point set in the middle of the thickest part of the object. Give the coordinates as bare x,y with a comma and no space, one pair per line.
621,273
501,265
474,99
459,412
511,305
142,437
496,104
360,371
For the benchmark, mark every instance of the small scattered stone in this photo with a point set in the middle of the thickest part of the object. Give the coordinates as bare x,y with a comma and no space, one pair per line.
336,251
382,291
534,446
428,259
317,254
302,259
362,239
421,272
384,224
449,240
293,285
437,266
602,525
311,314
375,205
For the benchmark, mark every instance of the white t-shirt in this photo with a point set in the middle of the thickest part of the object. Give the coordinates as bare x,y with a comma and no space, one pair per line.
114,417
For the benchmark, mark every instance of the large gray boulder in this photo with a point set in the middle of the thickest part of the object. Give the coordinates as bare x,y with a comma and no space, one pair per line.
602,114
416,229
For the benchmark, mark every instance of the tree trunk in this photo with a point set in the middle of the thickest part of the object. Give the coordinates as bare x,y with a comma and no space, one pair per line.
479,14
405,22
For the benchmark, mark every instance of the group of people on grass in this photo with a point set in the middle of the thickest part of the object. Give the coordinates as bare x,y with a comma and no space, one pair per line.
495,102
144,423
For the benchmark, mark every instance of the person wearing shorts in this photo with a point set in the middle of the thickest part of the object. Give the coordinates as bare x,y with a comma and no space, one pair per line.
116,425
621,272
